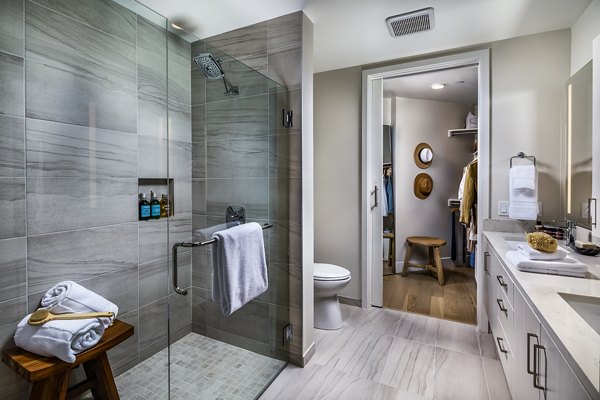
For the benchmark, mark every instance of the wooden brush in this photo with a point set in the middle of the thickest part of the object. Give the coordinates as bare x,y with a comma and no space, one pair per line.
40,317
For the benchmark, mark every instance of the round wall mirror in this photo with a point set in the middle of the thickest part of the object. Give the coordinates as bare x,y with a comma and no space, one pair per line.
423,155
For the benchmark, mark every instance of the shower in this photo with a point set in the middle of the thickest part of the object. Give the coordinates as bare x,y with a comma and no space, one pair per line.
211,68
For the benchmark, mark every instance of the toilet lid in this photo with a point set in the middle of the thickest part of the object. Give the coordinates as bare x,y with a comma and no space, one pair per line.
330,272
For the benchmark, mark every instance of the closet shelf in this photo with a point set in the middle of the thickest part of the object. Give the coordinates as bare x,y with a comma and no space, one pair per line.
462,132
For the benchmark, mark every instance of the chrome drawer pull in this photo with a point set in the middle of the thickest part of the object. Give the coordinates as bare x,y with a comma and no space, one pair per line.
501,280
502,349
501,305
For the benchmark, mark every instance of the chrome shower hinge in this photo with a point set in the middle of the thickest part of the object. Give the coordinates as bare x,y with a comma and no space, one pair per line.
288,334
288,118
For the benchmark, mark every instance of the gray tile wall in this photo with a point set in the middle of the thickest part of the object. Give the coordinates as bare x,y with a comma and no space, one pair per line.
242,155
83,115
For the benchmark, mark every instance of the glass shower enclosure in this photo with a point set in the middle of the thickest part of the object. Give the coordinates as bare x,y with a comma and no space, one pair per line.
109,103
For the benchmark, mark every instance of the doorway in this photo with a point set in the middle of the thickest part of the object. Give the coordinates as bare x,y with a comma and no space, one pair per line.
416,115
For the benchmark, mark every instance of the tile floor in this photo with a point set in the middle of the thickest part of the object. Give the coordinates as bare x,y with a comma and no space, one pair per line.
393,355
201,368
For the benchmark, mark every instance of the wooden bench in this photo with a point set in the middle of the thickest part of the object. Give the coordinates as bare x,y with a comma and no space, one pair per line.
433,245
50,376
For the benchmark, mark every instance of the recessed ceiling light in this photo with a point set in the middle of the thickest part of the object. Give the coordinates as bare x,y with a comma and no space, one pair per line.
438,86
176,26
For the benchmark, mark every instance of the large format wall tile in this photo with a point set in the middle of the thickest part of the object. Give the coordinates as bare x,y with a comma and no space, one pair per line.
153,240
81,254
63,150
285,156
252,193
11,312
183,195
12,146
238,158
250,321
284,32
12,207
129,347
179,50
11,82
153,322
11,26
241,43
199,196
152,58
198,85
119,287
285,201
180,159
152,157
237,118
285,67
152,116
106,16
58,204
153,280
13,255
79,76
248,81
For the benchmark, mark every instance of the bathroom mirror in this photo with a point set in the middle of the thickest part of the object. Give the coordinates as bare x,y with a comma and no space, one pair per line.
423,155
579,146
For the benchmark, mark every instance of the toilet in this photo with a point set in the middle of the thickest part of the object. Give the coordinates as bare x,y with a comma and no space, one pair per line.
329,280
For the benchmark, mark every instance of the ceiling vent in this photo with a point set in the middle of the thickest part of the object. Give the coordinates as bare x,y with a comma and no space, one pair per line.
411,22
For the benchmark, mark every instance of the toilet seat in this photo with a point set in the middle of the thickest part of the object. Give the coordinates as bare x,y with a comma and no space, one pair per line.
330,272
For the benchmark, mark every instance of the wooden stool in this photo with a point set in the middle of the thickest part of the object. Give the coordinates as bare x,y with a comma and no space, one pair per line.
50,376
435,260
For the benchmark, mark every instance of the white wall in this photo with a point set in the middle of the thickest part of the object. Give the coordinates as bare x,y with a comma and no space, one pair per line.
428,121
583,31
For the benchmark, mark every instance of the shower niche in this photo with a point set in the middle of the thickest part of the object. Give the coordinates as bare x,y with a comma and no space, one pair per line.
160,187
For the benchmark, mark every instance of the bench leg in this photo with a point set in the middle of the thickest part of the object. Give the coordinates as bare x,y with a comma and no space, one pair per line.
53,388
99,368
406,259
438,265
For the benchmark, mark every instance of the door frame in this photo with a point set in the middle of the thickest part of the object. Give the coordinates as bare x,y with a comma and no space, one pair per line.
480,58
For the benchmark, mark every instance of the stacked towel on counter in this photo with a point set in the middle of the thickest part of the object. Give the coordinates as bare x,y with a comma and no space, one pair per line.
523,192
534,254
239,266
65,339
567,266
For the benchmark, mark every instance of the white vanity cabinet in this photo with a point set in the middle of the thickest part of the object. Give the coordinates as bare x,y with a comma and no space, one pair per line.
533,366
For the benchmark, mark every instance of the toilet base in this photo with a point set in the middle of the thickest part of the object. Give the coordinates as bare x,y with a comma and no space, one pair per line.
328,314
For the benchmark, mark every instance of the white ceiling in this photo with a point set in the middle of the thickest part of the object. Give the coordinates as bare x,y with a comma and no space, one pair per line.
461,86
353,32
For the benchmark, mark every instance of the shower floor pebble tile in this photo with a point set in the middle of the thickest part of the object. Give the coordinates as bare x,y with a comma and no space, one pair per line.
201,368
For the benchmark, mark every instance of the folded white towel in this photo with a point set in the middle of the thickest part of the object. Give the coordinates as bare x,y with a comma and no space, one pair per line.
239,266
567,266
523,199
534,254
70,297
63,339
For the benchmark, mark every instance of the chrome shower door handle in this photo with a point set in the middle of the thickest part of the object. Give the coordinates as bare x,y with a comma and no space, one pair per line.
176,287
374,192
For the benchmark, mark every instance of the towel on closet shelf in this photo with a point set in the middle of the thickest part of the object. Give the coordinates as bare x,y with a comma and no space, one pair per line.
523,202
239,266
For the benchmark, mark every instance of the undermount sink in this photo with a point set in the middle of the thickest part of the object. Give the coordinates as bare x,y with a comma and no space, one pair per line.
586,306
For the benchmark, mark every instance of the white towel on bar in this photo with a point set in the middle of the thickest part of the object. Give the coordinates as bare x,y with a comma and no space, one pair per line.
523,201
70,297
63,339
523,177
567,266
534,254
239,266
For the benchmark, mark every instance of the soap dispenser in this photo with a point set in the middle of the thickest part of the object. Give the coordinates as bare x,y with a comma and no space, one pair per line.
144,207
154,206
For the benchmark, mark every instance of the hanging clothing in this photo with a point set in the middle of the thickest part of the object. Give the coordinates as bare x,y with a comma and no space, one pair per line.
384,200
468,203
389,189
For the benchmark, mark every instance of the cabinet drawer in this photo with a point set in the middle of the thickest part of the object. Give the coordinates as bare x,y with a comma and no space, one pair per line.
504,351
505,313
501,279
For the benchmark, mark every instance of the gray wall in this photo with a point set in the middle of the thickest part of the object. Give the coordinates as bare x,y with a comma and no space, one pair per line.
83,116
417,121
243,155
526,108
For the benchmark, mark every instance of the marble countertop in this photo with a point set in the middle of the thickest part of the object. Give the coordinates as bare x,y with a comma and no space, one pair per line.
578,342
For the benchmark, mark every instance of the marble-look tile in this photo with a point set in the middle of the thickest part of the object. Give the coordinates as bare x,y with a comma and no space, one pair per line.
199,196
11,82
250,322
279,317
352,315
184,271
255,346
154,279
249,82
199,159
13,276
183,195
286,242
199,300
365,355
154,347
125,365
418,328
180,229
237,118
180,312
128,348
151,58
179,49
487,346
241,43
81,254
153,240
410,367
198,85
284,32
290,100
11,27
279,282
285,199
11,313
496,381
153,322
180,159
238,158
252,193
458,337
330,345
285,67
59,204
152,116
12,146
382,322
75,74
458,376
285,156
198,123
179,101
64,150
12,207
152,157
106,16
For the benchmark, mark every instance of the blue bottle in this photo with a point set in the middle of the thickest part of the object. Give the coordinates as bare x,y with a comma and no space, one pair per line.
144,207
154,206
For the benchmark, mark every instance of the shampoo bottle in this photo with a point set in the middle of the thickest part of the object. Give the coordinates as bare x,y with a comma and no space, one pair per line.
154,206
144,207
164,206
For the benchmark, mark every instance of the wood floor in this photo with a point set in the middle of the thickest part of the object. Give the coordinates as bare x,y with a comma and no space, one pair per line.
419,292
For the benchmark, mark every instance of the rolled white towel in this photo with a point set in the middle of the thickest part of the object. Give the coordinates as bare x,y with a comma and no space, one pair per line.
63,339
70,297
534,254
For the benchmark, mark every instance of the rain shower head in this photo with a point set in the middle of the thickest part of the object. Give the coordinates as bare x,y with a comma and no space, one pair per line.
210,66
